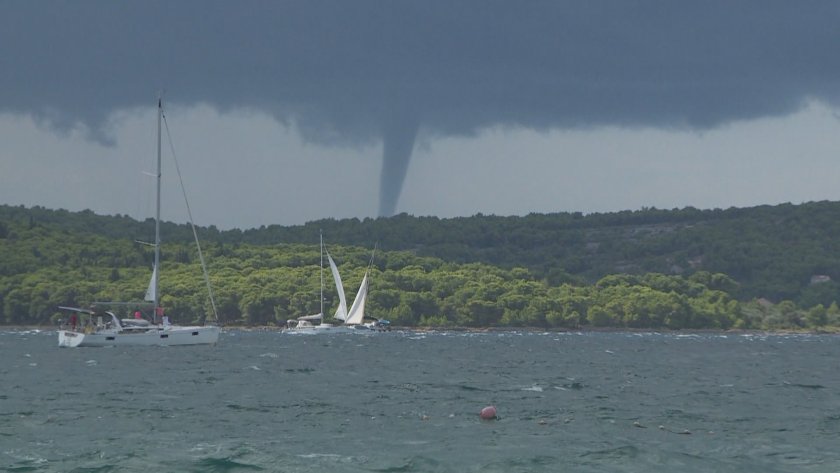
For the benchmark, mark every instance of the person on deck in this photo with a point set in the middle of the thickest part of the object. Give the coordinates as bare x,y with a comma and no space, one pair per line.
73,320
137,314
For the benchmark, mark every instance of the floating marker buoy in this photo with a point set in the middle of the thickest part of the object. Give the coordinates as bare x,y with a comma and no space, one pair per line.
488,413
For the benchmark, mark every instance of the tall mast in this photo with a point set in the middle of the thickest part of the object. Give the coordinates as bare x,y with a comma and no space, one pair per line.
157,212
321,235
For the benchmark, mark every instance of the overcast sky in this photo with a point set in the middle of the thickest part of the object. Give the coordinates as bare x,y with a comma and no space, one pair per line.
285,112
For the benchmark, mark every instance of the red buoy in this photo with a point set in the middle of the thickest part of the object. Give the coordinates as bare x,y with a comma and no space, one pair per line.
488,413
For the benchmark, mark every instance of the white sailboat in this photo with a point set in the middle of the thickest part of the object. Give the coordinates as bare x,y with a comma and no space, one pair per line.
314,324
352,319
357,311
95,328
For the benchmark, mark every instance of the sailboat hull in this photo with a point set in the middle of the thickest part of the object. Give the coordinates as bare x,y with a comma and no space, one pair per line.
318,329
366,328
156,336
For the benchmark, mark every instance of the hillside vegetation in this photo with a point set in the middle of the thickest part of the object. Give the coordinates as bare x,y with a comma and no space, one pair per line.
770,267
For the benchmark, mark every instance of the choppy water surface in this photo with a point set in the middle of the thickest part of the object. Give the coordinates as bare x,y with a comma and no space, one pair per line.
409,402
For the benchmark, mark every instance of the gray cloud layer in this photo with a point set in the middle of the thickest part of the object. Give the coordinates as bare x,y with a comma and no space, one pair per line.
353,71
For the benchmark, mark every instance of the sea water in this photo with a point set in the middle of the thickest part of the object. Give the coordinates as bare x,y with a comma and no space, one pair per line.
409,402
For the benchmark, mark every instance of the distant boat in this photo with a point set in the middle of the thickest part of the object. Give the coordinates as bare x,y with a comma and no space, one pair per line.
356,315
314,324
97,328
352,319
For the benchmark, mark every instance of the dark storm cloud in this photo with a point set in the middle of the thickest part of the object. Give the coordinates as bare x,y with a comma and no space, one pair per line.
361,70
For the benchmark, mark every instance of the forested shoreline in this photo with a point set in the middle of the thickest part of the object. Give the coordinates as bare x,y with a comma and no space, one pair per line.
761,268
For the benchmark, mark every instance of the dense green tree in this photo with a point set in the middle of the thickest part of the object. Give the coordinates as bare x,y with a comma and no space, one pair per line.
817,316
647,269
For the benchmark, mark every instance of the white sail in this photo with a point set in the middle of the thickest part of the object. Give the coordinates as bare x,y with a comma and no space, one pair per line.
151,290
341,313
357,311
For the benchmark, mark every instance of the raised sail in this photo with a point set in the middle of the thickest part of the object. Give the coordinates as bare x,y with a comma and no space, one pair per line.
151,291
357,311
341,313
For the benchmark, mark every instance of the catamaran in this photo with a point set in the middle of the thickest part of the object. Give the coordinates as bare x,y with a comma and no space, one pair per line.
95,327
